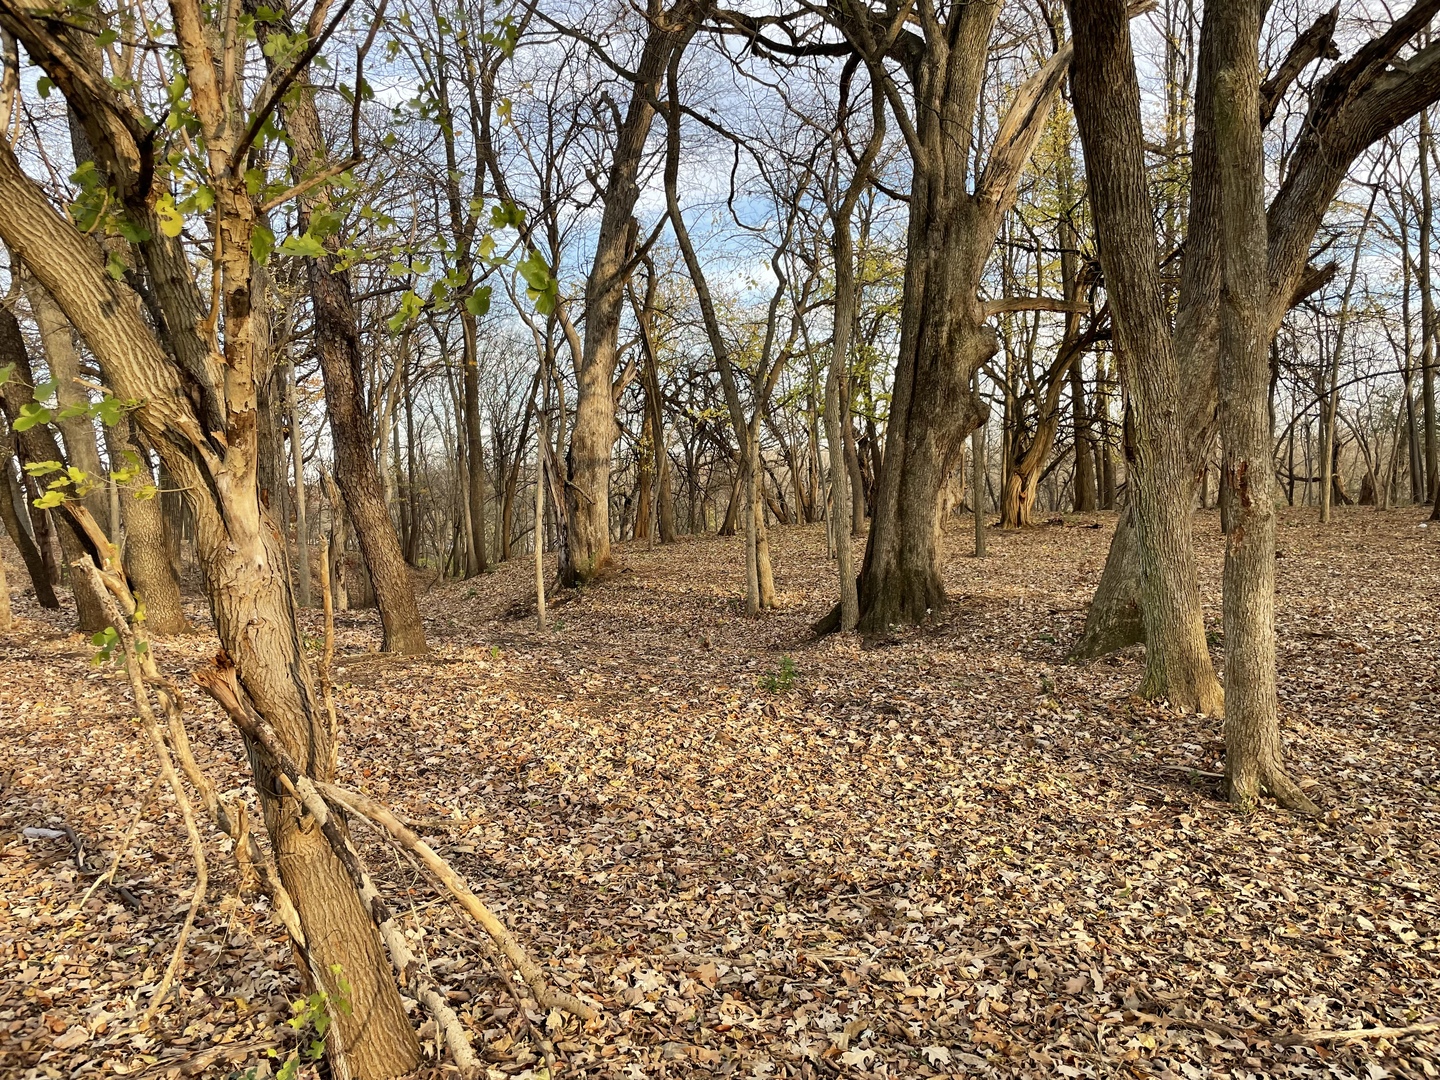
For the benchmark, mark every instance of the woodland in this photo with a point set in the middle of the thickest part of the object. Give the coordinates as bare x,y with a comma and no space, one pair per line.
866,538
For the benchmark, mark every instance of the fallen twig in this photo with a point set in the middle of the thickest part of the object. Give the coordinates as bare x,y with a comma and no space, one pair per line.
1308,1038
499,933
221,683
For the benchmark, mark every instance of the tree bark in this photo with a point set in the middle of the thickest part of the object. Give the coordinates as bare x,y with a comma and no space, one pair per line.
943,333
37,444
592,437
78,433
351,432
474,443
20,534
237,546
1107,100
147,558
1252,723
1356,103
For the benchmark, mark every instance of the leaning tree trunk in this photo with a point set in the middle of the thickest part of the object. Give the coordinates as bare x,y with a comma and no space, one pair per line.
78,432
1107,107
19,534
243,560
35,445
338,345
1252,724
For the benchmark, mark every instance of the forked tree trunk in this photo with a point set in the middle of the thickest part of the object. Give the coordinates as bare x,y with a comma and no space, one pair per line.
954,220
1252,724
1107,99
1354,104
244,566
592,439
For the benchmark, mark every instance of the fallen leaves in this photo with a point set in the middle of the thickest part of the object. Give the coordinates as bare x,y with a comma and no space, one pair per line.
953,855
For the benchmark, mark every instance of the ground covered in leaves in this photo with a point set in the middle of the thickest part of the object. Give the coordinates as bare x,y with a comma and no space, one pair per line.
769,856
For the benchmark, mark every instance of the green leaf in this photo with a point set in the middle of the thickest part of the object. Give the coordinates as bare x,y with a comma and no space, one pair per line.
50,500
305,246
478,303
262,242
201,200
44,86
410,306
108,410
171,220
136,234
74,412
31,413
43,468
106,37
254,181
46,389
5,373
114,266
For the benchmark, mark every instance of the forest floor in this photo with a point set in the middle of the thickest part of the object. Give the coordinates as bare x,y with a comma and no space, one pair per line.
769,856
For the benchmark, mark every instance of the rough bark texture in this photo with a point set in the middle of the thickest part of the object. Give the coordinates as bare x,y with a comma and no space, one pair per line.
954,220
1356,103
240,553
351,432
1252,723
1107,100
592,438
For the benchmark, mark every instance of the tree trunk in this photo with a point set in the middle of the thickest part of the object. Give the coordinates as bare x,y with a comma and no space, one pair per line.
302,500
1429,325
37,444
19,533
147,559
78,433
1107,98
474,444
1252,723
242,561
592,438
338,346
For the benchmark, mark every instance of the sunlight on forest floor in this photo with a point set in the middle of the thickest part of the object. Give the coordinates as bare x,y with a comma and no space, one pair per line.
952,855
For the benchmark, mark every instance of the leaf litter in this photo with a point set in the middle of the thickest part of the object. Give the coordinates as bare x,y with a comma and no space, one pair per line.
769,856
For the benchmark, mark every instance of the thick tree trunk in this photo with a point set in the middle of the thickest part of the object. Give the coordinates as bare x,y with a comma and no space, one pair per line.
1107,96
943,339
1252,723
592,438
